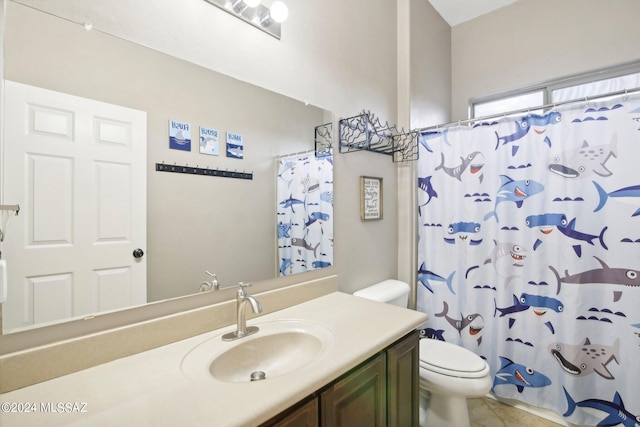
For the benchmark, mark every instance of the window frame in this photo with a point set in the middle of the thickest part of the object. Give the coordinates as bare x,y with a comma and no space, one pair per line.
549,87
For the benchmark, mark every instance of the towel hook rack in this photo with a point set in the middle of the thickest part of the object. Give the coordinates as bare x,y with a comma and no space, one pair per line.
186,169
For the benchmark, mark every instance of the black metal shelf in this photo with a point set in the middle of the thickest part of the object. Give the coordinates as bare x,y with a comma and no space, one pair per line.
367,132
323,140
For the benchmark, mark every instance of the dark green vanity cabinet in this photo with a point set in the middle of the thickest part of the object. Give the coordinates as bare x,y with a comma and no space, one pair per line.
302,414
357,399
403,379
383,391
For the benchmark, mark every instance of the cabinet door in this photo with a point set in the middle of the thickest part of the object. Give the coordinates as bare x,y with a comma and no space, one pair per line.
403,382
304,415
359,399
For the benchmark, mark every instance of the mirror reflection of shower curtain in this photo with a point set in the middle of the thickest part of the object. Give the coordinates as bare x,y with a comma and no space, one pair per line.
304,194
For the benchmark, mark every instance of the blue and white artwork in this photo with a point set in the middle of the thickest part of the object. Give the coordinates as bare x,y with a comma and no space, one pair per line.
304,193
529,254
179,135
209,141
235,145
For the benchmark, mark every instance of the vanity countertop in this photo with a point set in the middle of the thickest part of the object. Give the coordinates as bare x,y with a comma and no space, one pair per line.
149,388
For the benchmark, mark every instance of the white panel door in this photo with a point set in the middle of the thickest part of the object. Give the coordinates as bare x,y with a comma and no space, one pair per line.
77,167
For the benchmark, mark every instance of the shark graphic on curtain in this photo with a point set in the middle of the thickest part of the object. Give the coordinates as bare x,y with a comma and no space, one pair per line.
304,213
529,254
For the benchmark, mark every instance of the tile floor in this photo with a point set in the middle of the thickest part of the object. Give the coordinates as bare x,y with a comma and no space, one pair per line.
485,412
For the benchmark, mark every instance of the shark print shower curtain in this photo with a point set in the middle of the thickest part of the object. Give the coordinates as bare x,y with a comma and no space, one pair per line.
304,194
529,254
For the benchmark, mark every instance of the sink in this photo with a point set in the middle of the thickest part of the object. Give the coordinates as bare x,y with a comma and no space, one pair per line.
279,348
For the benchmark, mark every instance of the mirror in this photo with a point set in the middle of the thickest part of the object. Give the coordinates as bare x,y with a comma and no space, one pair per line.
194,223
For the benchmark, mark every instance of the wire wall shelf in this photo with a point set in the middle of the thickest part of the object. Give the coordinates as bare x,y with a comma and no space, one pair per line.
324,140
367,132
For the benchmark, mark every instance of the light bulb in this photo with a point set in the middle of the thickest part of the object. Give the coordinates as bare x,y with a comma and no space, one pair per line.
252,3
279,11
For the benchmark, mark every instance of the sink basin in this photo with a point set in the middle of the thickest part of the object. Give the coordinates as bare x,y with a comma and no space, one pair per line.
279,348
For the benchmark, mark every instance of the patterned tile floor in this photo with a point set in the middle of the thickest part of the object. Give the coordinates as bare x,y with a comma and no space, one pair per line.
485,412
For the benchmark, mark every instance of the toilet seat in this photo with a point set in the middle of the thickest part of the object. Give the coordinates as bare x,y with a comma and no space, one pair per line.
452,360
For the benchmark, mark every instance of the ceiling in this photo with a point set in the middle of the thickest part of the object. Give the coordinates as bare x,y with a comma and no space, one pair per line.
458,11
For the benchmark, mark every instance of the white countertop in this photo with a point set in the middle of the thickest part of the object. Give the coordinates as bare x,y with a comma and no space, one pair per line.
149,389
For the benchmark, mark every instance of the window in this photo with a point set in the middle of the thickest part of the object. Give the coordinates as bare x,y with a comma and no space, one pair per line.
595,88
511,103
585,86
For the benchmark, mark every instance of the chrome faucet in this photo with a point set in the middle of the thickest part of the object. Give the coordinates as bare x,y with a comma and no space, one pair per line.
242,330
213,286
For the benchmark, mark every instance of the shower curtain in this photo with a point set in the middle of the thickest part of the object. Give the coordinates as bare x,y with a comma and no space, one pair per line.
529,254
304,213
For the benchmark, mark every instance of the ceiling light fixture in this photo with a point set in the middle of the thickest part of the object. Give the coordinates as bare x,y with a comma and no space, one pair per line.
279,11
256,14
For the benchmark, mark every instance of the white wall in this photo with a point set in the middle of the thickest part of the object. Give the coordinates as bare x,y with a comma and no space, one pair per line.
533,41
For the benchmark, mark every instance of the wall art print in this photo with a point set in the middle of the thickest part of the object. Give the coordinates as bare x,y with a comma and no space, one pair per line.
209,141
179,135
235,145
529,254
370,198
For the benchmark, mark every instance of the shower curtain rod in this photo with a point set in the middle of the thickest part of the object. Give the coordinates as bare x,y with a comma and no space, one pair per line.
624,92
297,153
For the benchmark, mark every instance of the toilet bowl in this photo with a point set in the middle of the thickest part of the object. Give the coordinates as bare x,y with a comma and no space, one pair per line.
449,374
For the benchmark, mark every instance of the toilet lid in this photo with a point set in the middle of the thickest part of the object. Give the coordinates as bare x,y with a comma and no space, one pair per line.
449,359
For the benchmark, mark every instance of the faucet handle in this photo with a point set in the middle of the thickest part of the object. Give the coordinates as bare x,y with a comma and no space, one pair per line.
214,280
243,287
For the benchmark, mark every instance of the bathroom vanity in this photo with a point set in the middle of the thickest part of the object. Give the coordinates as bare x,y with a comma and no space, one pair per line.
364,367
384,390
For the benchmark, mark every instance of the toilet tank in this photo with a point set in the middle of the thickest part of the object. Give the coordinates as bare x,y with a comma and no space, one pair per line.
390,291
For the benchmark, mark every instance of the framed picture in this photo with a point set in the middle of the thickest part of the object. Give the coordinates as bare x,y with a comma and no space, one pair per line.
370,198
235,145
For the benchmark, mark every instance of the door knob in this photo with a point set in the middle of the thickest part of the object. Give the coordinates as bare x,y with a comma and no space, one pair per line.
138,253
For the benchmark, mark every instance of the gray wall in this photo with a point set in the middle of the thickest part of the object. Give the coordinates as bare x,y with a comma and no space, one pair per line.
430,66
533,41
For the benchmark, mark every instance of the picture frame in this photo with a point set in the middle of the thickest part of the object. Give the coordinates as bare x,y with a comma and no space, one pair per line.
370,198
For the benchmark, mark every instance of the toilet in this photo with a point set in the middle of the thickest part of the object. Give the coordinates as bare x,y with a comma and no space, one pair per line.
449,374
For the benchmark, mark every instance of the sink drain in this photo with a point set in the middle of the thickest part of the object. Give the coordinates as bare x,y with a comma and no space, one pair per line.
258,375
